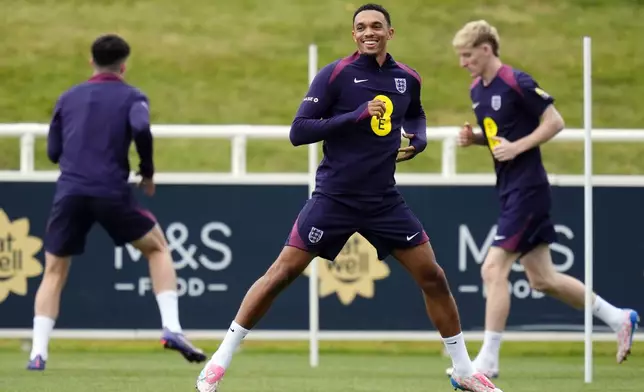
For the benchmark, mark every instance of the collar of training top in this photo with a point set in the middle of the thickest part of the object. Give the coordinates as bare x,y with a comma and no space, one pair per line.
105,77
370,60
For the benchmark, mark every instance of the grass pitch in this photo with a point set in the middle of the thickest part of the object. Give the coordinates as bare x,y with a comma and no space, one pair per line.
284,367
245,62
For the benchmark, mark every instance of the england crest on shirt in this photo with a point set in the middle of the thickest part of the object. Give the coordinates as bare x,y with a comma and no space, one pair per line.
401,85
496,102
315,235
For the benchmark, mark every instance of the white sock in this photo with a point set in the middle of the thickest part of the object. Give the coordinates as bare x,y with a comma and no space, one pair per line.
40,342
488,358
608,313
460,358
224,354
169,307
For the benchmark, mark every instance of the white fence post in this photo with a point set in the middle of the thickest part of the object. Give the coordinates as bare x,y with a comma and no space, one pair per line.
27,142
238,155
449,157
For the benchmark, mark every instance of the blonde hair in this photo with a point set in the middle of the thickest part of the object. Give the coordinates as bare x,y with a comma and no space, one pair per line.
476,33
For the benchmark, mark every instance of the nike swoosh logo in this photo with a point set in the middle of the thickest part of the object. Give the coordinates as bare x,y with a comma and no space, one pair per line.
409,238
359,80
475,105
499,237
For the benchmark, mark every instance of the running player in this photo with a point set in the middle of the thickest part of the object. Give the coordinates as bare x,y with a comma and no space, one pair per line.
357,106
517,116
90,134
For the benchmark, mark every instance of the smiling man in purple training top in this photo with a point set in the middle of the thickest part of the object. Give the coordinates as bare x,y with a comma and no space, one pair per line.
357,107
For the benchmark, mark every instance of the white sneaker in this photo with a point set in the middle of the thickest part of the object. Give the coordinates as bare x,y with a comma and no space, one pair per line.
477,382
490,368
210,377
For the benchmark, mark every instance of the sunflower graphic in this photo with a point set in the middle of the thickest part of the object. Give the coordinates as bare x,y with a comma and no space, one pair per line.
17,256
353,273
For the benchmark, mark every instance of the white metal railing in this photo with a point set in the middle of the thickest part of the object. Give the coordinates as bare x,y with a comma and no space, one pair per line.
239,134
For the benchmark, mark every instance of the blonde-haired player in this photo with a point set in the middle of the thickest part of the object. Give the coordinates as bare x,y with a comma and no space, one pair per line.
516,117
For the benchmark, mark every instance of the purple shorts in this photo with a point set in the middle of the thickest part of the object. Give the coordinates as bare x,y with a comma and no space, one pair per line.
72,217
524,222
324,225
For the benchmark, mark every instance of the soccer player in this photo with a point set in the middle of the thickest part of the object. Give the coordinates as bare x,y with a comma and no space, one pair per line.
89,137
357,106
516,117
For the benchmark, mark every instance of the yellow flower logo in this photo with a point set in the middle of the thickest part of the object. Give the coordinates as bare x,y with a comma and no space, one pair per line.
17,256
353,273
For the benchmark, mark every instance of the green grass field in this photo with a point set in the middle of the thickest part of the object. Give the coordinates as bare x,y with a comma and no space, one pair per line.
284,367
245,62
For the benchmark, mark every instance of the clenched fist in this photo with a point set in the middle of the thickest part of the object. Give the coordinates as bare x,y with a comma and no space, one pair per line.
466,136
376,108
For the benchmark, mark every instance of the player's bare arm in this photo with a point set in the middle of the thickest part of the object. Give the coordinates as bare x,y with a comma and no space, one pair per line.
551,124
479,139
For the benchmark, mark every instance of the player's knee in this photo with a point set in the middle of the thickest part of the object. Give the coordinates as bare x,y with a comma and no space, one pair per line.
151,243
489,272
56,272
433,281
56,265
494,272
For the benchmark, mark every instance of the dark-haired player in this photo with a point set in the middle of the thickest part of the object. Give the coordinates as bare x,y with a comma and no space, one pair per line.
90,134
357,106
517,116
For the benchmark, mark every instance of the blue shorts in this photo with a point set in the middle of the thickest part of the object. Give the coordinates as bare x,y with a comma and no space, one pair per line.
324,225
524,222
72,217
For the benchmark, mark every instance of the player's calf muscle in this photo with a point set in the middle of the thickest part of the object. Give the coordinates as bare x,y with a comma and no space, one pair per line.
547,287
